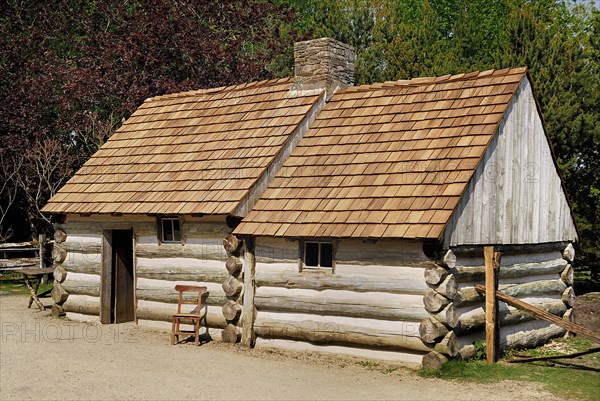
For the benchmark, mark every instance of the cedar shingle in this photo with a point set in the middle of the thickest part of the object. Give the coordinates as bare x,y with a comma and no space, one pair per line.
401,176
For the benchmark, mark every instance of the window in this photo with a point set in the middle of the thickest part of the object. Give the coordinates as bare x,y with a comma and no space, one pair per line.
169,229
318,254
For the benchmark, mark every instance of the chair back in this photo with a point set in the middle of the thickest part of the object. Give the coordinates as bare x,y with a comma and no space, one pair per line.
182,289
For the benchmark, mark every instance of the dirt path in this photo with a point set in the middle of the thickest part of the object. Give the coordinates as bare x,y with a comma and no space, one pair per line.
45,358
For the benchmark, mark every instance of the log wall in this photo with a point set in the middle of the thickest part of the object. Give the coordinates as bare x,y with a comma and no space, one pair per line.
373,303
540,278
198,260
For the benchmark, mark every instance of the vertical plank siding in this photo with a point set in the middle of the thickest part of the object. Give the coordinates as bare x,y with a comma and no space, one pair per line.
515,195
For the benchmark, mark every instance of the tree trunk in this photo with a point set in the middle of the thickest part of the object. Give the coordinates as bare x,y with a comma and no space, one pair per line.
434,275
60,236
568,297
435,302
232,286
233,264
448,287
433,360
231,310
57,311
231,243
60,274
431,330
567,275
448,316
59,294
569,253
231,334
448,345
59,254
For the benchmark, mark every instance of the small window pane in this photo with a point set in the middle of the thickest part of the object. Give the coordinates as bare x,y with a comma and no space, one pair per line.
311,256
167,230
176,231
326,255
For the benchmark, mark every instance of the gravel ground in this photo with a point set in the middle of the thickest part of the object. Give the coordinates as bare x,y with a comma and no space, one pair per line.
42,357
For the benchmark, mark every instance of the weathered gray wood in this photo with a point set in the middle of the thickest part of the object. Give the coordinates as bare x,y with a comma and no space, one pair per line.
233,264
83,263
60,235
449,345
475,320
567,275
232,286
82,287
106,280
468,296
231,334
57,311
60,274
231,243
169,295
208,251
433,360
72,246
477,273
249,309
435,302
399,284
434,275
569,253
317,332
431,330
448,316
448,287
82,304
59,254
183,273
531,207
231,310
381,253
448,260
568,297
343,303
59,294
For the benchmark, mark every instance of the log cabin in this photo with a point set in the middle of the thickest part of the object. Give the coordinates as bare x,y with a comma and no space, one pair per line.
325,216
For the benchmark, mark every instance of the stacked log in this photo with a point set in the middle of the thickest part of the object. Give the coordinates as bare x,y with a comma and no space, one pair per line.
542,279
232,286
59,255
437,330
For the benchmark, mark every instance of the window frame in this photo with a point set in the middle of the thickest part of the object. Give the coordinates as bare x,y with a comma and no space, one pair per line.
161,233
302,256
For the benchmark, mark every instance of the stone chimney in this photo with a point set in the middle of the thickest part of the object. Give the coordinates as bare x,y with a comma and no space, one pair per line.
323,63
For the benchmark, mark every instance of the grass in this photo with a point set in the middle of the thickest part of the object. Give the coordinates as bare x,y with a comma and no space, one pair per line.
19,287
580,381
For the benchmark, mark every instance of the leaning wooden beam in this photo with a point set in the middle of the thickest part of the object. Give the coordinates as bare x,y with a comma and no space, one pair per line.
541,314
547,357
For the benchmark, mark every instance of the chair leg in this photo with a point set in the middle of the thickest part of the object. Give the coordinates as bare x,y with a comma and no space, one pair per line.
197,327
172,331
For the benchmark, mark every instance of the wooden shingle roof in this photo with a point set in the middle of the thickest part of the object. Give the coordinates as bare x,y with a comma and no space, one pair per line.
187,153
388,160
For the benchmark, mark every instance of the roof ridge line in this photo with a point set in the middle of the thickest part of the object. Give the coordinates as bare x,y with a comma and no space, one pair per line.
218,89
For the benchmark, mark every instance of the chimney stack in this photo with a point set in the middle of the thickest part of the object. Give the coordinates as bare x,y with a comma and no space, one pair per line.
323,63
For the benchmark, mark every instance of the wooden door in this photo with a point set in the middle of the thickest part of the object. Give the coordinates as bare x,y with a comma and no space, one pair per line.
117,295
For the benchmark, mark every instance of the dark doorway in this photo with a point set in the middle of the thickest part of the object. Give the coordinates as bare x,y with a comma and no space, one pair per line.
117,295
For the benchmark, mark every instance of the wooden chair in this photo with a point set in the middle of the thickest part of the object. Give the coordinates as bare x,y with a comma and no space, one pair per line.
194,316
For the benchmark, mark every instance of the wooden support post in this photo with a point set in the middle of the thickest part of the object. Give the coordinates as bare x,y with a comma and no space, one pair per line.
248,336
492,264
